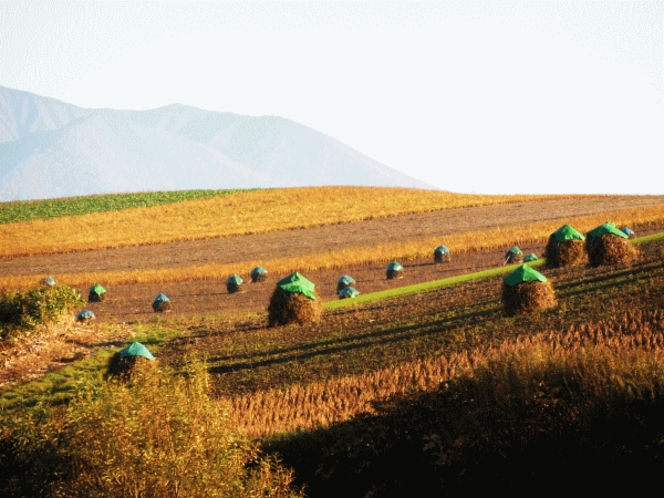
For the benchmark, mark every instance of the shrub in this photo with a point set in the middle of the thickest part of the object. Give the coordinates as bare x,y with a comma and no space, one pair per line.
23,312
157,435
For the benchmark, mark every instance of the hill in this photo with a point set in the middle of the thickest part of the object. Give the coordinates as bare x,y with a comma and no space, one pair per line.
52,149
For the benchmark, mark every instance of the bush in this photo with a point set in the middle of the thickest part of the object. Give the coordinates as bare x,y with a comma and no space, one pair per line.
22,313
157,435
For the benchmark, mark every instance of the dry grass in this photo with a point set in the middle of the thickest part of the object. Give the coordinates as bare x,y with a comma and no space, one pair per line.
234,214
471,241
319,404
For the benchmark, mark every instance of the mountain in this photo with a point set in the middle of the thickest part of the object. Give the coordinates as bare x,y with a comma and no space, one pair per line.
53,149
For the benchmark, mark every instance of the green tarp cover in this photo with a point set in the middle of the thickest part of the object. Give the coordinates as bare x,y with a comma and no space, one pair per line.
234,279
394,266
627,231
259,270
442,250
515,250
137,349
523,273
348,293
607,228
567,232
85,315
297,283
530,257
98,289
346,280
161,298
48,281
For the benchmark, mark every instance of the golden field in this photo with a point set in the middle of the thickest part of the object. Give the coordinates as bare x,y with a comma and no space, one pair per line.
236,214
471,241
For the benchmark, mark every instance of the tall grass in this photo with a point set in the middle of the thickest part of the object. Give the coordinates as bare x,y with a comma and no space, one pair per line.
159,435
222,216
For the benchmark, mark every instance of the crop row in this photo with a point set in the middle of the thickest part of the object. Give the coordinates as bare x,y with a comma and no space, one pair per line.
472,241
257,211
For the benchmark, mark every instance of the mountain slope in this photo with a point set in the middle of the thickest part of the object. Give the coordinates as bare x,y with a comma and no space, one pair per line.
52,149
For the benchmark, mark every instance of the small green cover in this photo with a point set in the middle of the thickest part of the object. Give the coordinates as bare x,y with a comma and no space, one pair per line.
346,280
530,257
297,283
394,266
441,250
567,232
97,289
161,298
234,279
137,349
607,227
523,273
48,281
349,293
259,270
85,315
515,250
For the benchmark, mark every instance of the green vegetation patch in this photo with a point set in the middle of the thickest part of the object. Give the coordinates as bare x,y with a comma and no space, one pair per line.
16,211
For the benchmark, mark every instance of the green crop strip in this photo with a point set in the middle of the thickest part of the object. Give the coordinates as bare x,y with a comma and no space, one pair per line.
16,211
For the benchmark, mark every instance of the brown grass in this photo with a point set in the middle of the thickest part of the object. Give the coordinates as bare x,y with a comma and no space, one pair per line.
292,307
568,252
224,216
528,297
320,404
610,249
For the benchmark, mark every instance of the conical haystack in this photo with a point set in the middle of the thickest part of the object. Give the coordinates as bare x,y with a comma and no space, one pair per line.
233,284
161,303
526,290
97,294
258,274
394,270
513,255
565,247
124,363
344,282
441,254
606,245
294,300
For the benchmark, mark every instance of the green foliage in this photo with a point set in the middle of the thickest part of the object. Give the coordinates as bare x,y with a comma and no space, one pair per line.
519,420
24,312
156,435
13,212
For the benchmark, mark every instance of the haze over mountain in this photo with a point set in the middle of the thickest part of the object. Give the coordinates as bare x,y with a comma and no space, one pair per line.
53,149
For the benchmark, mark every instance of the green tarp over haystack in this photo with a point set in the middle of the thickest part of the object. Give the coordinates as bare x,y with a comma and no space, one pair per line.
348,293
441,250
607,228
48,281
515,250
530,257
259,270
394,266
297,283
161,298
97,289
567,232
137,349
523,273
234,279
346,280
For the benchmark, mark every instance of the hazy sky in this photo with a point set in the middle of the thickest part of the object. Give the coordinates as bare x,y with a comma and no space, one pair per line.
468,96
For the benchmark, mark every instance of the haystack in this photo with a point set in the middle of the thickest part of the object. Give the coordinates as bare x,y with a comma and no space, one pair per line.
526,290
294,301
513,255
258,274
125,362
531,257
441,254
348,293
565,247
344,282
85,316
606,245
50,281
394,270
233,283
161,303
97,294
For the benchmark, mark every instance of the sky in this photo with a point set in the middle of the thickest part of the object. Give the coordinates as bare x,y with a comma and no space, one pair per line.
486,97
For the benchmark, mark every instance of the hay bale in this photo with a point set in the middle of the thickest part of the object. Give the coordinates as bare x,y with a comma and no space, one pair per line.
258,274
93,297
48,281
441,255
293,307
232,287
527,297
124,367
161,306
394,270
608,249
344,282
565,253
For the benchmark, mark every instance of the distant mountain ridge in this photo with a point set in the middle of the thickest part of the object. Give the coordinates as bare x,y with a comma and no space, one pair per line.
53,149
